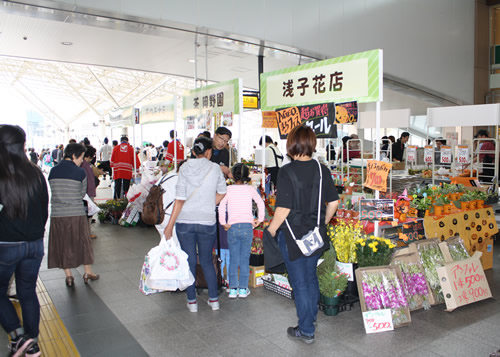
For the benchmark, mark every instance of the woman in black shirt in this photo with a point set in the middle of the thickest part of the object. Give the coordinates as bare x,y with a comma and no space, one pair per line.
297,202
23,214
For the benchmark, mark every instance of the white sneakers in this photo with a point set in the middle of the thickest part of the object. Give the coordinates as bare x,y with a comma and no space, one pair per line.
213,304
192,307
243,293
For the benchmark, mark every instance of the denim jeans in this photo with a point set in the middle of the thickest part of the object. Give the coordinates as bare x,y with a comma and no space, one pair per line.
239,238
23,259
198,235
304,281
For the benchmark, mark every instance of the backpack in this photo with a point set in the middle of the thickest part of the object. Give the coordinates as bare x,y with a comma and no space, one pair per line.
152,209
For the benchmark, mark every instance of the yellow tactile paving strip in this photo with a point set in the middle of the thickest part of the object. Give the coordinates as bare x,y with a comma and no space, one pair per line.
54,339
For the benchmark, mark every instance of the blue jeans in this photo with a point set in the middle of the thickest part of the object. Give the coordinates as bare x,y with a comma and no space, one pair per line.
193,235
304,281
23,259
239,238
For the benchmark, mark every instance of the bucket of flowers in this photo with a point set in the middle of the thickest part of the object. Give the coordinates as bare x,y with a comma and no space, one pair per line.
374,251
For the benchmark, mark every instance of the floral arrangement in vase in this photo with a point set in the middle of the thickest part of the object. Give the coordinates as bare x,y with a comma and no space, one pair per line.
374,251
382,289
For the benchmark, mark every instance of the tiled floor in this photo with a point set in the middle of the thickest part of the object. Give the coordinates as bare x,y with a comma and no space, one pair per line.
110,317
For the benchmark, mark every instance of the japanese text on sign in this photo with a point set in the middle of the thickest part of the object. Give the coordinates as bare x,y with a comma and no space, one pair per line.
463,154
446,154
378,321
212,101
288,119
463,281
376,210
318,84
428,154
376,175
412,153
269,119
412,231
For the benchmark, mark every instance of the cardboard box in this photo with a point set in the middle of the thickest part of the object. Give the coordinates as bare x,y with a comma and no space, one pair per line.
463,282
255,278
380,269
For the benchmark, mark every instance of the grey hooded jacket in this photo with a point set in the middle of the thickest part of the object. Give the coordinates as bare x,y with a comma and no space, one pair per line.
199,181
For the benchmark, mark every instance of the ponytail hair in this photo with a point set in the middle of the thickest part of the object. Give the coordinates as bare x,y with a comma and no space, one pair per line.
241,173
19,177
201,145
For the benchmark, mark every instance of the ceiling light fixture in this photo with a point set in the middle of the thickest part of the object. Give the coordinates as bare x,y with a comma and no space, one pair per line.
191,61
66,43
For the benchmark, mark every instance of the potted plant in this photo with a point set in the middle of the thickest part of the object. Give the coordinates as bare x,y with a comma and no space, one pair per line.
481,198
374,251
465,201
439,205
422,205
331,286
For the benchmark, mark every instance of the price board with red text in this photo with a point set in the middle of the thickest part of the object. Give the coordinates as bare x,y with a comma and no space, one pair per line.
376,210
411,153
446,154
428,154
463,154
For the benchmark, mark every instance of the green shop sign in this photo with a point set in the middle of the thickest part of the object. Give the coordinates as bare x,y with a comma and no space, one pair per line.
357,77
216,98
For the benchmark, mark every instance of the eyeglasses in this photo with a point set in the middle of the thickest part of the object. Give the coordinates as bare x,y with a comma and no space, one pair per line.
224,140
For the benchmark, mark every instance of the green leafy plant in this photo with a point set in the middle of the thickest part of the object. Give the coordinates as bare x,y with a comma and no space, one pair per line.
442,200
421,204
332,284
466,197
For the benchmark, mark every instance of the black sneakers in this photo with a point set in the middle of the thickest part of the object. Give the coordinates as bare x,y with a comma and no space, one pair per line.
33,351
294,332
19,346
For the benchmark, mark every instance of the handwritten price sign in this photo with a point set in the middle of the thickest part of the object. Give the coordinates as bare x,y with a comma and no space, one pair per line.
288,119
376,210
428,154
412,153
463,282
463,154
446,154
376,175
378,321
269,119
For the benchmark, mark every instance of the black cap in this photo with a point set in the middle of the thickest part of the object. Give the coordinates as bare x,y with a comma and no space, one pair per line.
224,131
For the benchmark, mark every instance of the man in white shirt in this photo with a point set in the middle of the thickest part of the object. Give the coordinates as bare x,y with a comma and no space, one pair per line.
104,156
274,159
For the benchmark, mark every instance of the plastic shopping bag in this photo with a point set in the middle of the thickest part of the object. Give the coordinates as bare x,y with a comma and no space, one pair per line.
92,207
169,266
143,282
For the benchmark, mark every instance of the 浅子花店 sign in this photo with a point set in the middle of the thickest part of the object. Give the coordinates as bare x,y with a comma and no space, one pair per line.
216,98
356,77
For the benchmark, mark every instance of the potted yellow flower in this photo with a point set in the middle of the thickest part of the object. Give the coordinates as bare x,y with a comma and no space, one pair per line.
374,251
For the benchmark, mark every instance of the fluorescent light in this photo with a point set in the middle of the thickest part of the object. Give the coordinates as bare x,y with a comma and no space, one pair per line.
66,43
191,61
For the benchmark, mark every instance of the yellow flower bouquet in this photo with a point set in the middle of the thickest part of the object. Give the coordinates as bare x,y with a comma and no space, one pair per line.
344,237
373,251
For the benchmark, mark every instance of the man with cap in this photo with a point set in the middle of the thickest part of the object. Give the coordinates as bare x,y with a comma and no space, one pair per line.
220,154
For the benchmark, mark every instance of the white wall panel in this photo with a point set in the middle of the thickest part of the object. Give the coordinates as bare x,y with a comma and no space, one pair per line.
426,42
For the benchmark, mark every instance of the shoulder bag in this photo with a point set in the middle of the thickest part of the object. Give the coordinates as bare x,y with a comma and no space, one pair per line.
312,240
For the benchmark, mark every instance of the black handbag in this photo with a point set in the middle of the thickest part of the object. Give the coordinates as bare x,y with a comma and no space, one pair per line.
273,259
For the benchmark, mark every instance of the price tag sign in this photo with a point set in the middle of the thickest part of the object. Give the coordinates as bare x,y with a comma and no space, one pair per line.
376,210
346,268
428,154
463,154
412,153
446,154
376,175
378,321
412,231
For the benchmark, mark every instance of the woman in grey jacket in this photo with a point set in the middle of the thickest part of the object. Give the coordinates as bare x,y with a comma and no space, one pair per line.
200,187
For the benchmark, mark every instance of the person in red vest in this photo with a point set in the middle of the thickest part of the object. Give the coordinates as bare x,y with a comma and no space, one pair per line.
122,162
169,157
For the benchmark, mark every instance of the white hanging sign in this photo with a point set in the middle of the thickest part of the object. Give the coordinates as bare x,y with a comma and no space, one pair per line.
412,153
446,154
428,154
378,321
463,154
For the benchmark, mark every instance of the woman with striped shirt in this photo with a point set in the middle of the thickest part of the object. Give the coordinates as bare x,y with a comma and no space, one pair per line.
239,225
69,240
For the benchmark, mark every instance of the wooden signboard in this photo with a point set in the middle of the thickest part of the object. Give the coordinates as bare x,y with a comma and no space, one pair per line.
376,176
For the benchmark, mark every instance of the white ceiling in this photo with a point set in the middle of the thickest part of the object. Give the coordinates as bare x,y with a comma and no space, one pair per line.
113,62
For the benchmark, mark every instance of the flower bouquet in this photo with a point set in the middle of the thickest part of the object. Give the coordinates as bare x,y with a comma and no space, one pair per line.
382,289
344,236
431,257
112,210
413,280
373,251
457,249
